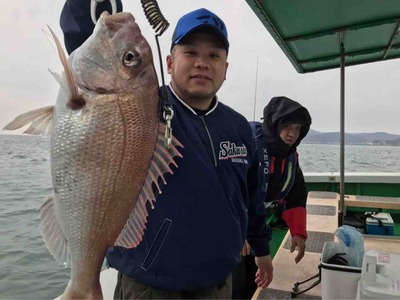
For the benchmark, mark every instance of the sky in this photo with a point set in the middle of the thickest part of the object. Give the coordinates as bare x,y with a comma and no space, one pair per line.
372,90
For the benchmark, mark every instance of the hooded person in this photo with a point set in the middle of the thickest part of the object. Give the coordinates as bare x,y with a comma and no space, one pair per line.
284,125
281,111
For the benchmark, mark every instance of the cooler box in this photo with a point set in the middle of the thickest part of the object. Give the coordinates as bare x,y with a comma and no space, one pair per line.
380,224
380,276
337,281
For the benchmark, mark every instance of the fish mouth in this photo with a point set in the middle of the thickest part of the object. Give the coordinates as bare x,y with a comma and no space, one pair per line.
118,20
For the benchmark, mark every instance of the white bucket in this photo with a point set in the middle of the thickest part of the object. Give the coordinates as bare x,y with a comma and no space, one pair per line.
337,281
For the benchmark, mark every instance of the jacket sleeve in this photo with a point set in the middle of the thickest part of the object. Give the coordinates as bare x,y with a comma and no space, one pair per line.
295,214
258,232
76,22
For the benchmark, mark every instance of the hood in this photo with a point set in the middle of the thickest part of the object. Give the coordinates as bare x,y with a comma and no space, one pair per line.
276,112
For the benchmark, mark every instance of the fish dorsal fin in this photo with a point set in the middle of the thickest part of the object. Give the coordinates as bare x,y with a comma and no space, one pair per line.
40,120
51,232
133,231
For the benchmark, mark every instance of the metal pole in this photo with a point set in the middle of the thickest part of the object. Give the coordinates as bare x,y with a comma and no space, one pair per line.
342,130
255,93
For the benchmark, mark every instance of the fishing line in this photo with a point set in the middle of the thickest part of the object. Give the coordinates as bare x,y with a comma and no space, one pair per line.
160,24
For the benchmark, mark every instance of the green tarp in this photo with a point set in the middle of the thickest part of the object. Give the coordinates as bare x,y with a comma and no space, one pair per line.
308,31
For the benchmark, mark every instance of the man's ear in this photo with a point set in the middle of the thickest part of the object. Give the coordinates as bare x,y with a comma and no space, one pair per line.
169,63
226,70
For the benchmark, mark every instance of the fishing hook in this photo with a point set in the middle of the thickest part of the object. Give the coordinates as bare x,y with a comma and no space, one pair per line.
160,24
93,6
168,116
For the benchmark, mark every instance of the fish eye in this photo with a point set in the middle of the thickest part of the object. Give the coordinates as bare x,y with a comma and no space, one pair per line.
131,59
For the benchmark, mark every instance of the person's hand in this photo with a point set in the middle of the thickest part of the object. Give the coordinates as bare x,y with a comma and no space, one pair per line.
299,244
246,249
265,271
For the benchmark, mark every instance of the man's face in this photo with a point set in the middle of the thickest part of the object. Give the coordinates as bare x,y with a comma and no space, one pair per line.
198,68
290,133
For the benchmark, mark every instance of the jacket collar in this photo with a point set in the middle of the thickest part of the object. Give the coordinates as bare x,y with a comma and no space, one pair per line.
190,108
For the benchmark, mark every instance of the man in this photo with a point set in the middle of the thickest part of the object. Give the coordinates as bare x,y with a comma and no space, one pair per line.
285,124
196,231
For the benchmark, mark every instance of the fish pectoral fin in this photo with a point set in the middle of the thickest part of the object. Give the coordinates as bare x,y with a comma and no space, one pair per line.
39,120
132,234
75,101
51,231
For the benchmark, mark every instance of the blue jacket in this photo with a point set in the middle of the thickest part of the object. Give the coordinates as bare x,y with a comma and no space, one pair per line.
208,207
196,231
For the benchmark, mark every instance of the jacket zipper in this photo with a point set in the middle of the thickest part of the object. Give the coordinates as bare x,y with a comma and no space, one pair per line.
211,142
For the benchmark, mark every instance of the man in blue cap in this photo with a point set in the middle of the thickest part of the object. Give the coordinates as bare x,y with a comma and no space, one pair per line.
213,202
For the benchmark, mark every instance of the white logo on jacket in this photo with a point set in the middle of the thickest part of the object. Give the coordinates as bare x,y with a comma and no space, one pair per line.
229,150
266,161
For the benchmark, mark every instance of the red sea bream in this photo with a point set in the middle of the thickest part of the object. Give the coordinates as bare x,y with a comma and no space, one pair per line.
107,150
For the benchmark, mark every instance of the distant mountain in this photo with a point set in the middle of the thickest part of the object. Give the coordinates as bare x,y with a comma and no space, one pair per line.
381,136
313,133
395,142
376,138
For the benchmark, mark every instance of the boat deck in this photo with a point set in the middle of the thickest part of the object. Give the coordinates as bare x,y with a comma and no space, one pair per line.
372,202
322,222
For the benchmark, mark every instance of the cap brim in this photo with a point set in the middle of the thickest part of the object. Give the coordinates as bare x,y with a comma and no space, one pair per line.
206,28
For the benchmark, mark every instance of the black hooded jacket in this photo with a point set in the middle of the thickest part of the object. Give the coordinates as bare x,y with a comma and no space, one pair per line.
281,110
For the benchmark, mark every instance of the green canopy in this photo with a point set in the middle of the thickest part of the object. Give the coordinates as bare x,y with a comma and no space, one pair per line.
309,31
319,35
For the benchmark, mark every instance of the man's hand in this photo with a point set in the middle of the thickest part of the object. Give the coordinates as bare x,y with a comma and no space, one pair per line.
298,243
246,249
265,271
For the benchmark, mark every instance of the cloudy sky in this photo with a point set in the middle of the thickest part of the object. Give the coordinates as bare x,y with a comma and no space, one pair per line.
372,90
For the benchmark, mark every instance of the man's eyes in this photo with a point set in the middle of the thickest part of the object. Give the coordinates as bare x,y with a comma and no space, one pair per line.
193,53
190,52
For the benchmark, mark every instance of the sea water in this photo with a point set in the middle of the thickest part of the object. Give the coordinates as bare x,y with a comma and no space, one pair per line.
27,269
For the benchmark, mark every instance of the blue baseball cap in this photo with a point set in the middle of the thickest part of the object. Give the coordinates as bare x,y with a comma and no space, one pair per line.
200,20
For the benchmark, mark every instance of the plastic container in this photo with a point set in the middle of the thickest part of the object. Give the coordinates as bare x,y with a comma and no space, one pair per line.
380,224
337,281
380,276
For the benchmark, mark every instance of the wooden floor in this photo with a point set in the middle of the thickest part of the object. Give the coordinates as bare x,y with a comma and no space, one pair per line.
286,271
372,202
322,222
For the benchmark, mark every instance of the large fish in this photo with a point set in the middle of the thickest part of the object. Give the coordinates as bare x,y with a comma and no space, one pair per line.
107,150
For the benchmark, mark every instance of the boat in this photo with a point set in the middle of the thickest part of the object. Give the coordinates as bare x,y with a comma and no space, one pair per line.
316,36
